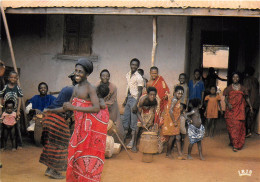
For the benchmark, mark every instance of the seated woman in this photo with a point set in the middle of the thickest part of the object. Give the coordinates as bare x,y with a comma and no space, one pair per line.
39,102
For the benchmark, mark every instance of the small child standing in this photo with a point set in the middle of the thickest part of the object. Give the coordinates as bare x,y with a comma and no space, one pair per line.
8,120
196,130
171,122
13,92
212,102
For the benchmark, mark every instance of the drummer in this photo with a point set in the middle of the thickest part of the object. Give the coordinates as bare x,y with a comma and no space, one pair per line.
147,108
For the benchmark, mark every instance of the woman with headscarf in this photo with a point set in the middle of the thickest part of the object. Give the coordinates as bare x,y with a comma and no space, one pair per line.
86,152
236,97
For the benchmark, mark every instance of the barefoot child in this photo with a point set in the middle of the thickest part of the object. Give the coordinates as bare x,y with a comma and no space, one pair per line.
13,92
171,126
86,152
212,102
196,130
8,120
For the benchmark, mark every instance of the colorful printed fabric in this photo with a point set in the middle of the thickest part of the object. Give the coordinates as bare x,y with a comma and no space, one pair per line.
235,118
148,114
162,91
195,134
55,136
87,145
168,128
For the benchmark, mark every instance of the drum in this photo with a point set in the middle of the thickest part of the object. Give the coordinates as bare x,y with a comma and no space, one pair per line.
149,143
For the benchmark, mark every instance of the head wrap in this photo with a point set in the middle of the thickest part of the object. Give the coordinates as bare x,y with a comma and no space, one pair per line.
86,64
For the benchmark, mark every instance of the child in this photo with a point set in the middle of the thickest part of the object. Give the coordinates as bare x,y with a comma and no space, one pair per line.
13,92
182,80
171,126
212,102
8,121
141,72
102,92
196,130
183,129
86,152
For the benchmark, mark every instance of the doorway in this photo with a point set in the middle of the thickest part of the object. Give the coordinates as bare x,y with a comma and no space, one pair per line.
215,59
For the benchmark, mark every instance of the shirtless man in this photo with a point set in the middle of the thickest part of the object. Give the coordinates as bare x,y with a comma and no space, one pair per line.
196,130
146,112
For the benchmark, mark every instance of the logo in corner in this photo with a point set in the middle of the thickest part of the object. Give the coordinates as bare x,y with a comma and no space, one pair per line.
245,172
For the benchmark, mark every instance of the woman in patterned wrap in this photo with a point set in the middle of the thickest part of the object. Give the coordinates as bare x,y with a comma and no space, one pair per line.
86,151
236,95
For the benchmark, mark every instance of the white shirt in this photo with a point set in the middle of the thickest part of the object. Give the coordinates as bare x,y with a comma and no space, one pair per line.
133,83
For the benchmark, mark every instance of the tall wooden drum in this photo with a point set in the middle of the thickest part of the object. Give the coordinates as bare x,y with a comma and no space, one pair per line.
148,145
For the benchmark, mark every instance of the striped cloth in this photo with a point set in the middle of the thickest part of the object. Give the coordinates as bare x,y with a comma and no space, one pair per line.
55,138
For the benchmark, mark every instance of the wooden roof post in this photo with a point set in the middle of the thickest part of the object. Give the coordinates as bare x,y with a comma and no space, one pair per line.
13,58
154,39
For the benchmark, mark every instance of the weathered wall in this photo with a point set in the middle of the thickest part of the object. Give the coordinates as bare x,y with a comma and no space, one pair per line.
116,40
35,54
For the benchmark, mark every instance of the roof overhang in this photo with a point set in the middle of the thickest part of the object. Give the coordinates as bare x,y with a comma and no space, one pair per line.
137,11
135,7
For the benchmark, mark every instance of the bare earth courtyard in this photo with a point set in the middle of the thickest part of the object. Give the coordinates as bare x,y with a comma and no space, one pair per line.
221,164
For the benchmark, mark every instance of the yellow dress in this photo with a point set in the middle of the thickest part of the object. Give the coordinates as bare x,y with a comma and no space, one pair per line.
168,128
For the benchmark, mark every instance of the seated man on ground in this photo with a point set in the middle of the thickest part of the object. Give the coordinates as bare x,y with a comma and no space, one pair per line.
38,103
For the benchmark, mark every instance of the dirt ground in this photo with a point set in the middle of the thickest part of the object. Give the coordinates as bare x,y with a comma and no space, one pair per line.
221,164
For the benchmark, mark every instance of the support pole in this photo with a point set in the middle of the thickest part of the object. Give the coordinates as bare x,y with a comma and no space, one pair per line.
13,58
154,39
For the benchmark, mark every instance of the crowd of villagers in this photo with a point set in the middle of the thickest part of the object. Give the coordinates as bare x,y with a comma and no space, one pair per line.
148,106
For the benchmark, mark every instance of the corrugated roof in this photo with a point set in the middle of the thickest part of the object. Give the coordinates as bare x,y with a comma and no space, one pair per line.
222,4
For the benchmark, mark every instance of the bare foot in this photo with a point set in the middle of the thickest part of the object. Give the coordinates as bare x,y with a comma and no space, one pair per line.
19,148
13,149
2,149
189,157
170,156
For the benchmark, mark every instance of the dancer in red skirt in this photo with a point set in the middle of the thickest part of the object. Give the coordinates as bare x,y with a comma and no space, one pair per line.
86,150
